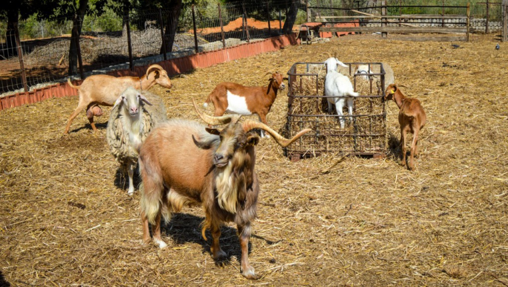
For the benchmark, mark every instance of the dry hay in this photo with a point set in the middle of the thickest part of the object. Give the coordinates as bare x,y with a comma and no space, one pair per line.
64,221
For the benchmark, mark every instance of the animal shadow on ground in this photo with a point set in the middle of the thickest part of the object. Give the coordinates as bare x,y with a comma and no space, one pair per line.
184,228
122,179
99,126
394,149
3,283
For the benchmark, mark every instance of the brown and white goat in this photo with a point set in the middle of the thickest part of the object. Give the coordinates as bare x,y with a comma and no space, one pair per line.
239,99
104,90
411,119
183,162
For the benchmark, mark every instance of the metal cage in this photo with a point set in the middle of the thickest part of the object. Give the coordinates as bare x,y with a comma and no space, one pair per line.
365,130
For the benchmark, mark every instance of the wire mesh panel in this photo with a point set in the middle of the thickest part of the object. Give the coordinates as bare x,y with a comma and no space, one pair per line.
364,132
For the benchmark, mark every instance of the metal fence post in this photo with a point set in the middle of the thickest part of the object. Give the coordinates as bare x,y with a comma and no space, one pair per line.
269,19
20,57
487,17
78,47
164,48
221,27
383,19
280,22
306,10
195,31
129,43
505,23
468,13
442,14
246,24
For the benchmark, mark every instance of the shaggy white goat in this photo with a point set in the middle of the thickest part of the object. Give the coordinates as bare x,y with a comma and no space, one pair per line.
338,89
128,134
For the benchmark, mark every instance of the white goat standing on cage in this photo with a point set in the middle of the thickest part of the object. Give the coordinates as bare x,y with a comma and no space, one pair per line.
338,89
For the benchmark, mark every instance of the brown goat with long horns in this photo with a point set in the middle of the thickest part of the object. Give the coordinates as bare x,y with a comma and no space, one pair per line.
183,162
104,90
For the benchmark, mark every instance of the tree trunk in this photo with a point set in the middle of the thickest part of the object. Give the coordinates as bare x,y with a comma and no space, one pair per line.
76,33
12,22
290,18
171,25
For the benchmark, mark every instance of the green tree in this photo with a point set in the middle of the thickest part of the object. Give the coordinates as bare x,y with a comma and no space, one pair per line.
13,10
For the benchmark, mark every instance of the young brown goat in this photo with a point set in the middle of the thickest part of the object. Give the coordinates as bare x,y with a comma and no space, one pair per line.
183,162
411,118
104,90
238,99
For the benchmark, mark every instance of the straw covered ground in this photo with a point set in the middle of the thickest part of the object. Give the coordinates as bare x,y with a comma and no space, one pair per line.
66,218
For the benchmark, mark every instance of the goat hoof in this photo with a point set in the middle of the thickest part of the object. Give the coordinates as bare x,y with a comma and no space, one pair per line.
161,243
250,274
220,255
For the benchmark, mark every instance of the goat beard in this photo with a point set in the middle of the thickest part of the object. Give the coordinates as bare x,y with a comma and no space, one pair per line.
229,183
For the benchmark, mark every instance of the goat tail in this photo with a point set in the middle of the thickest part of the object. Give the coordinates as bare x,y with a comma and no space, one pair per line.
150,204
152,195
354,94
70,84
206,224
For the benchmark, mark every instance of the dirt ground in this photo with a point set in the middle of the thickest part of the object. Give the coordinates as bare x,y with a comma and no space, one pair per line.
66,218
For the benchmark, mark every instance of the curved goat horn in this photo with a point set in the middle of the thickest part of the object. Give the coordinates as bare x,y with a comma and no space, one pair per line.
284,142
154,66
215,120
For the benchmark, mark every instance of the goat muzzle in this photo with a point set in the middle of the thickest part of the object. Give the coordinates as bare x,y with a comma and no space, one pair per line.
219,160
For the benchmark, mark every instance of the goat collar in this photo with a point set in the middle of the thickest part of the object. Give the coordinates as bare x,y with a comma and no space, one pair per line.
141,84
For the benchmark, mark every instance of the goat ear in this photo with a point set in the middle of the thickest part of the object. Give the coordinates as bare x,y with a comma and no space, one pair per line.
252,139
213,131
157,74
119,100
143,99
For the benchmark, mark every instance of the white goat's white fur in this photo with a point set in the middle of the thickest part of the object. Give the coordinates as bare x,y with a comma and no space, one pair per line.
389,75
338,89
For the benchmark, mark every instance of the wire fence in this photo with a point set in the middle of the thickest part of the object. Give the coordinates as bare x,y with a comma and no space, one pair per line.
35,62
486,15
41,56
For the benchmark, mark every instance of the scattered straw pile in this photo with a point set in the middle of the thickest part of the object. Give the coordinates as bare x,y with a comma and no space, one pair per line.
322,222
